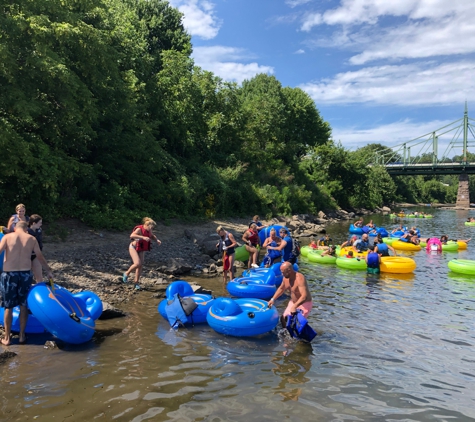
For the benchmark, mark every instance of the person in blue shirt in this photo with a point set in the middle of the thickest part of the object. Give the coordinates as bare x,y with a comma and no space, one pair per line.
373,260
288,246
383,249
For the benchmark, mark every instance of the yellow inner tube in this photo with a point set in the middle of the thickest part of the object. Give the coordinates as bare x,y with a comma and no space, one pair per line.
397,264
462,245
344,251
405,246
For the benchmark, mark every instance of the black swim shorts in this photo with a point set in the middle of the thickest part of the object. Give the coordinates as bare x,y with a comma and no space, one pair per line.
14,287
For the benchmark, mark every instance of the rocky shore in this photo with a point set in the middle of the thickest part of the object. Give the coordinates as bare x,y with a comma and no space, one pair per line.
94,260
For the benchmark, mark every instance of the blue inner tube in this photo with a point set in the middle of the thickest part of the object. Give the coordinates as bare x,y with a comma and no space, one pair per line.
242,317
355,230
92,301
63,315
33,326
265,233
204,301
251,287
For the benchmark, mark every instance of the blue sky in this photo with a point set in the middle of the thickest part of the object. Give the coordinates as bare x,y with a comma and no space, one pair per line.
379,70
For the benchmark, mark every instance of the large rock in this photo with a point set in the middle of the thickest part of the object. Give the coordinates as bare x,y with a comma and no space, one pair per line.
109,311
6,355
176,266
208,244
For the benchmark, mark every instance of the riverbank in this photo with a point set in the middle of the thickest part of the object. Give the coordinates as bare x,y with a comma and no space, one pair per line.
85,259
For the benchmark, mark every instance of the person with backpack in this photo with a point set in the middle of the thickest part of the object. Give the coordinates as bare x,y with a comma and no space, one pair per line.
291,249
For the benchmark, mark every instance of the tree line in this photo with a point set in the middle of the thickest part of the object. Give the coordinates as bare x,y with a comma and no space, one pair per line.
104,117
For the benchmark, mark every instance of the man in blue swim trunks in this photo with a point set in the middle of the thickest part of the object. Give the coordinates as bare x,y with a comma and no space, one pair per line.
16,278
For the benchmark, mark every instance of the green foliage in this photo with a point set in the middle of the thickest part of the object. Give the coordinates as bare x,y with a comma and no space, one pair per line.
104,117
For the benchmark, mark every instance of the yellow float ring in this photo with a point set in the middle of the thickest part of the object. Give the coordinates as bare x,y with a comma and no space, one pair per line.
397,264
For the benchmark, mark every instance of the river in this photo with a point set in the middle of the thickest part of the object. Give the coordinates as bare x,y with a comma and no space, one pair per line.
389,348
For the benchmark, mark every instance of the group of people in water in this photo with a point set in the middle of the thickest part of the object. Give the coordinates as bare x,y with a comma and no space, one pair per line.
24,261
279,247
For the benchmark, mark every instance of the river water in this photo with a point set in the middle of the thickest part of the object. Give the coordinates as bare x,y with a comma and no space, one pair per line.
389,348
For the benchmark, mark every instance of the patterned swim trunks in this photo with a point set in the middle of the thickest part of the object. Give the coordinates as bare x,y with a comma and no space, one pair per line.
14,288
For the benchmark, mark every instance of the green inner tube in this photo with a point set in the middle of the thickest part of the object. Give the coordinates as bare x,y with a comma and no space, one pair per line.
351,263
305,250
470,223
241,254
451,246
462,266
390,240
321,259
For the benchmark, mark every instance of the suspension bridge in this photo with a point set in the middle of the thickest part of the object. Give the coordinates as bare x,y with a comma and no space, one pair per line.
420,156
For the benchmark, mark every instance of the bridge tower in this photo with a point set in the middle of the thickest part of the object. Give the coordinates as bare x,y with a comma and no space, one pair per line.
463,195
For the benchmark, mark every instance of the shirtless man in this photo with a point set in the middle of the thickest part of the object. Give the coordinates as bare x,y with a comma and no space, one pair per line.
300,297
16,278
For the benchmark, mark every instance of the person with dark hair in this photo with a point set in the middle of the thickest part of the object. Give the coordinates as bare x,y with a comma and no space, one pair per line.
288,246
331,251
373,261
251,240
383,248
34,229
411,237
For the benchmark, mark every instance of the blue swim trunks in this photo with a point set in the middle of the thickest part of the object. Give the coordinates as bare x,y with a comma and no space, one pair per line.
14,288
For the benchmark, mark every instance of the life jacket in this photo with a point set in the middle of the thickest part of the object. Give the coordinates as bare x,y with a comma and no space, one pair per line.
372,260
253,237
298,327
383,249
141,244
179,310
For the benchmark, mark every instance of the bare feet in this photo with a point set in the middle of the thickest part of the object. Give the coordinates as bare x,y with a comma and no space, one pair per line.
5,342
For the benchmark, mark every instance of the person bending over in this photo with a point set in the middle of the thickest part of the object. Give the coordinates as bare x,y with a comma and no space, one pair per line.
300,297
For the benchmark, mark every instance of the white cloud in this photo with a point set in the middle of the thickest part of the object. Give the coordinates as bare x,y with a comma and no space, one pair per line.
395,134
300,51
412,84
294,3
418,29
227,63
199,17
